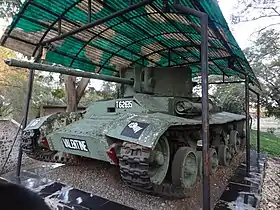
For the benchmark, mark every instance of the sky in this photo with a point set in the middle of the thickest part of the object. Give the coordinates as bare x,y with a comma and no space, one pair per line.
242,31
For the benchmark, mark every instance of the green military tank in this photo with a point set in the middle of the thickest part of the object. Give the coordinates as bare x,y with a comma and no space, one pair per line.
152,132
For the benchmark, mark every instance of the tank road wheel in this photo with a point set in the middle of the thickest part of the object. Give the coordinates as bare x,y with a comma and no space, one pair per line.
184,167
159,161
214,160
224,155
234,141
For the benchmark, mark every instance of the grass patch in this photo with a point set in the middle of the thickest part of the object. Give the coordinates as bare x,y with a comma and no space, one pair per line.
268,143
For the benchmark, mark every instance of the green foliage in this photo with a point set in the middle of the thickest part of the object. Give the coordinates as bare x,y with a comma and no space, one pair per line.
58,93
15,97
268,143
9,8
231,97
264,57
108,90
89,97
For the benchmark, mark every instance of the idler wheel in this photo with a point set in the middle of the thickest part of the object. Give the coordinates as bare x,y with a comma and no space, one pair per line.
224,155
234,141
214,160
159,161
184,167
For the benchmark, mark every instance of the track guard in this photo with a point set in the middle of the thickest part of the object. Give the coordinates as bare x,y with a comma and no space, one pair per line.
49,123
144,130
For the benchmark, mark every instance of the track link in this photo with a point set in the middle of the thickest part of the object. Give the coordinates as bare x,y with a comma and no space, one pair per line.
134,170
29,144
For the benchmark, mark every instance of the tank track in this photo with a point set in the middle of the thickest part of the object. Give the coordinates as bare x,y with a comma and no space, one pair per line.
29,145
134,167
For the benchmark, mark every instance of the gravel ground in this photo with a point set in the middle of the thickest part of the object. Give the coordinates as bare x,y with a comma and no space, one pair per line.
104,180
271,187
8,131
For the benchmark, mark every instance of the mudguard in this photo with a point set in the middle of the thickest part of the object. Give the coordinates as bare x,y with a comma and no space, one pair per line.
144,129
49,123
36,123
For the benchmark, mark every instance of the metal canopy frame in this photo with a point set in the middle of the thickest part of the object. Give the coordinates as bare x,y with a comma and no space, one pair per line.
176,8
65,27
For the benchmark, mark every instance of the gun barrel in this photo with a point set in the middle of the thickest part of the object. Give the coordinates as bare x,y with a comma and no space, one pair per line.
65,70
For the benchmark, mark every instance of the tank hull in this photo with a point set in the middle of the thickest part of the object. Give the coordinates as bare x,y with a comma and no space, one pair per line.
96,131
135,134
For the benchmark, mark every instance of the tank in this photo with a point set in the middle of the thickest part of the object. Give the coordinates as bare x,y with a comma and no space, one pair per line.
151,132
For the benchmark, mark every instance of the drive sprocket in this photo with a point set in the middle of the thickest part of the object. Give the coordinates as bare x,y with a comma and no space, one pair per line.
29,145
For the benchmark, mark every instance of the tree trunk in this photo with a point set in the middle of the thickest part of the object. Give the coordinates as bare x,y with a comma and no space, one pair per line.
81,89
74,94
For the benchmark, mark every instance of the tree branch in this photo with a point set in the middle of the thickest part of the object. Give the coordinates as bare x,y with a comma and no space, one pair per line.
264,28
276,11
258,18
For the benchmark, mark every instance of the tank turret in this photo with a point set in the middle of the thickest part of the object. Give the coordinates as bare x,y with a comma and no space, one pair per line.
157,81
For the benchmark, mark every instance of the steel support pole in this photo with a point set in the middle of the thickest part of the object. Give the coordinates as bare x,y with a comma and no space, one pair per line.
205,112
26,111
205,109
258,123
247,124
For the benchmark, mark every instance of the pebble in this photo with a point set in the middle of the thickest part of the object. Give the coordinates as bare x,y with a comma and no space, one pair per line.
271,186
104,180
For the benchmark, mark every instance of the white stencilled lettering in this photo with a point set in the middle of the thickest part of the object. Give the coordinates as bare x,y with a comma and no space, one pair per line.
123,104
75,144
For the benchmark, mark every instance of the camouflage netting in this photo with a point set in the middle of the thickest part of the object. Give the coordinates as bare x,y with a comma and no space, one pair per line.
143,37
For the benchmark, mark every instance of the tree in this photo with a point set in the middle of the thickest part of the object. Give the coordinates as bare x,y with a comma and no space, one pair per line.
264,57
231,97
8,8
256,10
6,70
14,96
75,89
108,90
6,73
13,89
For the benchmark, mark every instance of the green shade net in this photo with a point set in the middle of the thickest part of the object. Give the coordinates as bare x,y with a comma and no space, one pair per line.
146,36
